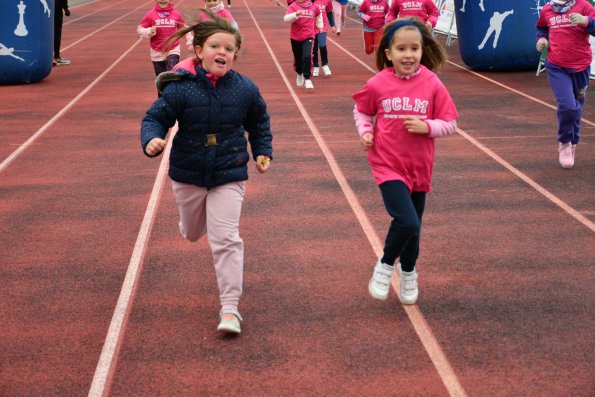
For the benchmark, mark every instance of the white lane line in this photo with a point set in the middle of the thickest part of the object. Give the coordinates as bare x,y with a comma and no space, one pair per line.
85,38
65,109
72,20
513,90
571,211
420,326
105,367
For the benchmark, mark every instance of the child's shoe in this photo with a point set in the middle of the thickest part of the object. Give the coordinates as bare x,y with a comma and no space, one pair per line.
379,284
326,70
316,71
230,322
60,61
565,155
309,84
573,151
408,291
299,80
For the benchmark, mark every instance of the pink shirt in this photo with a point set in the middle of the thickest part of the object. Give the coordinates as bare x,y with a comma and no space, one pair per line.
397,154
304,27
167,20
376,11
325,6
425,10
569,44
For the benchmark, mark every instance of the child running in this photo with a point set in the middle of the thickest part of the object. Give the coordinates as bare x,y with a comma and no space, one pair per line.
398,114
305,18
373,13
565,25
425,10
328,19
158,25
209,155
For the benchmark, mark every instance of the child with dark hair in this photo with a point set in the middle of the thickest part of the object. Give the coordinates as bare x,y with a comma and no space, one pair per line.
398,114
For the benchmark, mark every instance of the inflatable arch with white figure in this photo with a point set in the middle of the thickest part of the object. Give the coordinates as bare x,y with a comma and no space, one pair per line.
26,40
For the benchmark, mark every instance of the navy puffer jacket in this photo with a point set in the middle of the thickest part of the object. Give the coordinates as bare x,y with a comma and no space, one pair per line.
210,147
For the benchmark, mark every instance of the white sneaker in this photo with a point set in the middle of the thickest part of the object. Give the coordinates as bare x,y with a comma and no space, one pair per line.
573,151
408,291
565,156
309,84
230,322
379,284
316,71
299,80
326,70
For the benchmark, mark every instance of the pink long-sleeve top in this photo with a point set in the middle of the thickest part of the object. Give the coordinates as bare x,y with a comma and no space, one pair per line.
397,154
425,10
376,10
569,43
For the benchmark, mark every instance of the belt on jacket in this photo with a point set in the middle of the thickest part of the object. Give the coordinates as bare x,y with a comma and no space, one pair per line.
211,140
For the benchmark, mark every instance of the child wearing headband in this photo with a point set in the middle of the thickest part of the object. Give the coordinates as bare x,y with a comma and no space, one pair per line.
566,25
398,114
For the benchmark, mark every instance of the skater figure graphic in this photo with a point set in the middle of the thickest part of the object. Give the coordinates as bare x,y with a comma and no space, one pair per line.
496,22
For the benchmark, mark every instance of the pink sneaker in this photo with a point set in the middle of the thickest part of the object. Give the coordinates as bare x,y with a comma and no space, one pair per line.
573,151
565,155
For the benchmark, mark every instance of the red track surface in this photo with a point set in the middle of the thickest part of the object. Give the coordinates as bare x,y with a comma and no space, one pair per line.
507,270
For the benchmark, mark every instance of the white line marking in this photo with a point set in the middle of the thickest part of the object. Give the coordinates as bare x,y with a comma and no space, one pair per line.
421,327
65,109
105,367
575,214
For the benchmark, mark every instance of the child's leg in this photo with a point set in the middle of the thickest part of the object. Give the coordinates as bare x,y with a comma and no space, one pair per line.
296,49
377,38
321,38
315,50
307,58
566,87
337,9
159,67
411,252
191,202
171,61
369,42
580,83
224,206
405,227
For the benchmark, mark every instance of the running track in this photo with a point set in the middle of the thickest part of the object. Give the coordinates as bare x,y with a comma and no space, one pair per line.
101,296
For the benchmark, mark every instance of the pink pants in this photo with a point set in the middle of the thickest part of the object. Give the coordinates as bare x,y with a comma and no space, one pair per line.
216,213
340,12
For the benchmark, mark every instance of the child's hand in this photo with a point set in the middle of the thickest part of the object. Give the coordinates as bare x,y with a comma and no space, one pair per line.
541,44
367,140
334,29
153,30
155,145
415,125
263,163
429,26
578,19
298,12
366,17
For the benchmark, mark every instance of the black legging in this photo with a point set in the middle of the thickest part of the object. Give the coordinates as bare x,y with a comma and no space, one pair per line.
406,209
58,18
302,57
168,64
